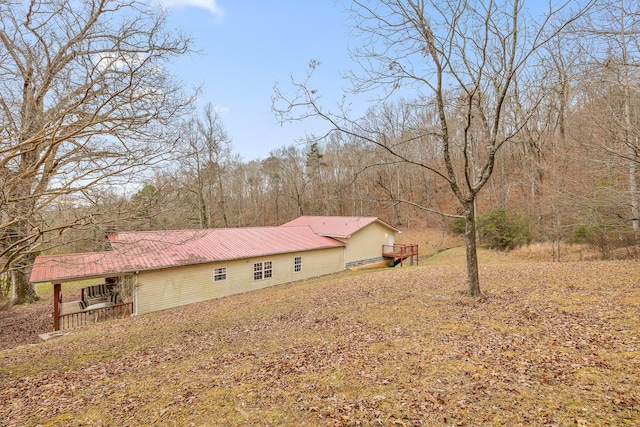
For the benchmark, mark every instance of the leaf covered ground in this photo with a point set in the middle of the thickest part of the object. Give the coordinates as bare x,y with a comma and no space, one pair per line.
21,325
548,344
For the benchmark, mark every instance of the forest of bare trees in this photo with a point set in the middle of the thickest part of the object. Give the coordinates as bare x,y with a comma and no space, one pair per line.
537,119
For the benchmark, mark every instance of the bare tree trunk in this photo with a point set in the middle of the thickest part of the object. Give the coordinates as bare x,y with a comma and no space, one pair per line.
222,203
473,275
635,198
632,143
23,289
202,211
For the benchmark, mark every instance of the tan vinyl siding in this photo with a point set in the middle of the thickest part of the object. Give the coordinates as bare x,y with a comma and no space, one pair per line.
172,287
367,243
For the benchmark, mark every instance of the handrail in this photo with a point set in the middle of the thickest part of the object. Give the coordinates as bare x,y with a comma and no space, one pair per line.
85,317
400,251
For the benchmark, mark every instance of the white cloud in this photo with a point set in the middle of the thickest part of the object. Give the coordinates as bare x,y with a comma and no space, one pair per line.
210,5
220,110
109,61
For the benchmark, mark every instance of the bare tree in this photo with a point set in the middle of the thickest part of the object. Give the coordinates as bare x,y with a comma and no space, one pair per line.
295,180
462,59
271,170
611,47
205,161
84,101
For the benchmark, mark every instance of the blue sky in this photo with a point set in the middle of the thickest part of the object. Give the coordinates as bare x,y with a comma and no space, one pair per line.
249,45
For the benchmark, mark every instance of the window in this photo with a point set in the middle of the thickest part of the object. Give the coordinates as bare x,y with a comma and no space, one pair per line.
297,264
219,274
268,270
262,270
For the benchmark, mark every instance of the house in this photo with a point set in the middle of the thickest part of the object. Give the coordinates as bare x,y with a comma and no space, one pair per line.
363,236
154,270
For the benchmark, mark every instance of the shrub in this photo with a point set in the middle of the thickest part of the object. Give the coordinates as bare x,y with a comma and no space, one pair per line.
458,226
603,236
504,230
582,234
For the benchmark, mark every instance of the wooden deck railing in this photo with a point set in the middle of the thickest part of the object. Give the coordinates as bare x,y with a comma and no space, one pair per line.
87,317
400,252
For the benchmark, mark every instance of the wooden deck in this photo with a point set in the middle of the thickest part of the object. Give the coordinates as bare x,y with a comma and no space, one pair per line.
98,303
71,316
400,252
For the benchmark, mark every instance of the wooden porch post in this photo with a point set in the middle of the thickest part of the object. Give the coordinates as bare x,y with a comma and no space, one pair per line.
57,299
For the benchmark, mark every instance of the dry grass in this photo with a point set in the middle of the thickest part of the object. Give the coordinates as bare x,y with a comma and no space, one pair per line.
431,241
548,344
544,251
570,252
435,241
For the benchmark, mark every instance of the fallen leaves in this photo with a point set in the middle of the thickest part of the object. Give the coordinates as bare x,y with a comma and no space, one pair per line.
548,344
22,324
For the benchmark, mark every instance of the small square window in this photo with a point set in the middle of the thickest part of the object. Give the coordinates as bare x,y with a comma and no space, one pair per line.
219,273
297,264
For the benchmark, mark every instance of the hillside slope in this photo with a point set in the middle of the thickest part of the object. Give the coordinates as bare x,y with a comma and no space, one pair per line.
548,344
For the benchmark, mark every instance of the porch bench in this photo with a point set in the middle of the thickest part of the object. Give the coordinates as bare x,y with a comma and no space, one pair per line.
96,292
111,299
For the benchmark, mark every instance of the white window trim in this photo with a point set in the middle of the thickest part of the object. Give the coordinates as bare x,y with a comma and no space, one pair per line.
263,270
216,274
297,264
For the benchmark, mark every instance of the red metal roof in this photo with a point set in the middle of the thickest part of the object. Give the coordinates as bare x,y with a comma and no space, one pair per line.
148,250
336,226
64,267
